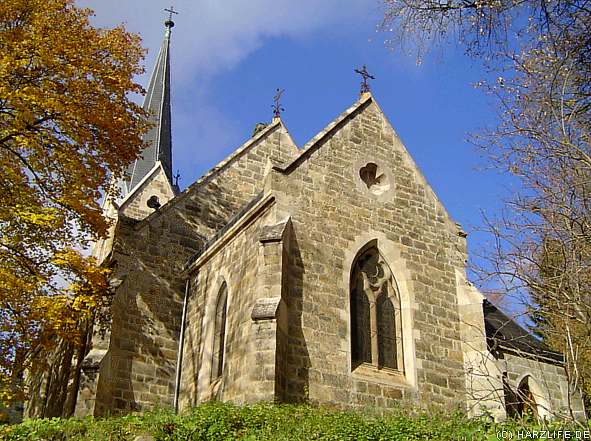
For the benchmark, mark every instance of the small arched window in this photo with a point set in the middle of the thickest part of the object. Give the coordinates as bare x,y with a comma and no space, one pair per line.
526,402
376,327
217,361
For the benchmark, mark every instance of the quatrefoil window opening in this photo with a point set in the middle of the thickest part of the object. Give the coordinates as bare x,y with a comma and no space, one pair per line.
375,181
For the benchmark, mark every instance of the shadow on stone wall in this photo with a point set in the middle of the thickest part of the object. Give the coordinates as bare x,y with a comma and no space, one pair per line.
141,354
144,337
209,208
298,359
190,365
148,306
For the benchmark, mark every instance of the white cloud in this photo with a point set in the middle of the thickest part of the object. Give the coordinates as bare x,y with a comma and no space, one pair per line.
212,34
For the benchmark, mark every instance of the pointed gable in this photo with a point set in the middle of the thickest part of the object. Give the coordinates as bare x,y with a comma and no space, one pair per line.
223,190
381,135
154,184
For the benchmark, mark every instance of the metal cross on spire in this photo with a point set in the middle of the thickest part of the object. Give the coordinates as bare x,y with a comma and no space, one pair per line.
277,109
169,23
365,75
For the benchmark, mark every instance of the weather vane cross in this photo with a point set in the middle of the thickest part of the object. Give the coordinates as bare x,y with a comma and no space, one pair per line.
169,23
365,75
277,109
170,12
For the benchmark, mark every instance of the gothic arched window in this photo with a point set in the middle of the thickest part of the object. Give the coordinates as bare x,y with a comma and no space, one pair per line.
526,403
217,360
376,328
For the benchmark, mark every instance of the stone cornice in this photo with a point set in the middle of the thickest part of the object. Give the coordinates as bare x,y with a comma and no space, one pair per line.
236,226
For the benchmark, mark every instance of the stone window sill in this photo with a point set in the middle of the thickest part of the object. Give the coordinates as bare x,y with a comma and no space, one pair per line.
370,372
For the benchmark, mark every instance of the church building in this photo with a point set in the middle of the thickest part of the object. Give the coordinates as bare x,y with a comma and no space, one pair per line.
329,273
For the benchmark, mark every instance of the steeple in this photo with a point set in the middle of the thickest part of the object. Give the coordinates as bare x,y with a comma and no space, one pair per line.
158,139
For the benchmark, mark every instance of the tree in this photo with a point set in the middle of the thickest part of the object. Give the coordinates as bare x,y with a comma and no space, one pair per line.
67,127
541,50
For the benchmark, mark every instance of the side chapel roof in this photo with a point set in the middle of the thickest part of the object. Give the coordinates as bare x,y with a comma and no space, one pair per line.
504,333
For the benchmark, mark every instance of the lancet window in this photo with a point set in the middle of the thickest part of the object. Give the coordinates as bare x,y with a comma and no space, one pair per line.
376,328
217,362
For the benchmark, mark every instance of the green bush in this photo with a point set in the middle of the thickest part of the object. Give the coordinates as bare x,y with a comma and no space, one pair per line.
218,421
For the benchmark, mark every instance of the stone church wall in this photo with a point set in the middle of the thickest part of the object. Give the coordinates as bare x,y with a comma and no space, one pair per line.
248,368
141,362
548,382
331,211
156,185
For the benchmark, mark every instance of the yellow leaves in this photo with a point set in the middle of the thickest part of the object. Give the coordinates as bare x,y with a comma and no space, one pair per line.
66,125
39,217
62,313
90,278
6,394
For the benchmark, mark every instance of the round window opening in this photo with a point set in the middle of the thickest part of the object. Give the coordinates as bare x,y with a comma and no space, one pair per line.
374,180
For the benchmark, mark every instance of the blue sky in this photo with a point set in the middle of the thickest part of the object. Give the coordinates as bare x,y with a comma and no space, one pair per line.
229,57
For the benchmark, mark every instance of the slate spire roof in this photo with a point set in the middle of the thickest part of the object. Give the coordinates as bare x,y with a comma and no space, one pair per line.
158,139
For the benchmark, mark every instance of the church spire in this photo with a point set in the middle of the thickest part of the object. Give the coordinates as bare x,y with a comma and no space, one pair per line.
158,139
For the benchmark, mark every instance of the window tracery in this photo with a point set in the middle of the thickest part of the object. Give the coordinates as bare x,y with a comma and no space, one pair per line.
375,313
374,179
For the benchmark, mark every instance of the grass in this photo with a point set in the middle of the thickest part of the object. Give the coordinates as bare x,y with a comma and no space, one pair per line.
219,421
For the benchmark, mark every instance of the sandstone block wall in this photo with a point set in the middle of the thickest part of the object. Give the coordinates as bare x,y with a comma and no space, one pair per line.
333,216
332,212
249,356
155,185
139,368
548,382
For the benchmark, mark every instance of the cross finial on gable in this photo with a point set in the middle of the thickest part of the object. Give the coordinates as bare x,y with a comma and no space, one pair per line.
169,23
277,109
365,75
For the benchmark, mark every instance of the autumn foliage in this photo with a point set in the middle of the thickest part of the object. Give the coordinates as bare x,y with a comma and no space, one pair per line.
67,126
540,245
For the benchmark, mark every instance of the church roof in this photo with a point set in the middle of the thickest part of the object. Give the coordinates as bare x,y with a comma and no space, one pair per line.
333,126
158,139
289,163
233,221
257,137
503,332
